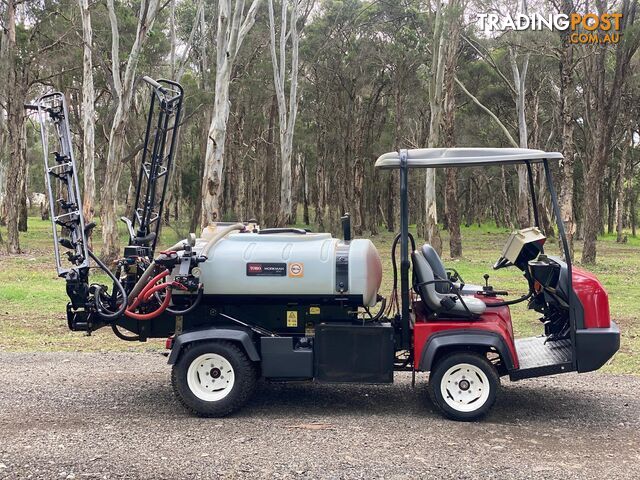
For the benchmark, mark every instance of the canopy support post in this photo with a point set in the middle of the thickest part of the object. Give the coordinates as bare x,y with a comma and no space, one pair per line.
574,320
532,190
404,250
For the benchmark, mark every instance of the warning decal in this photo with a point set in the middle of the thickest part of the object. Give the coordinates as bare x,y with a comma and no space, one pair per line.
296,270
292,318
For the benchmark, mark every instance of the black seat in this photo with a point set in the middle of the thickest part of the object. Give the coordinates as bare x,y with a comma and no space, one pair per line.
435,262
443,304
440,272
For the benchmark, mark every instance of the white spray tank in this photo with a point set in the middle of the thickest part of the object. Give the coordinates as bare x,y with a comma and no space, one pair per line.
292,263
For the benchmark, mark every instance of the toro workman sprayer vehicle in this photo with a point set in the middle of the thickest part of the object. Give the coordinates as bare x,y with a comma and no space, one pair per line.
241,302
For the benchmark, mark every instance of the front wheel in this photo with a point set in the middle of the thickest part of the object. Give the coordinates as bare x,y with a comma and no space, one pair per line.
464,385
213,379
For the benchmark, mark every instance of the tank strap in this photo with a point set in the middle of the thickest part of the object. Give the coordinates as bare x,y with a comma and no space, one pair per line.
342,267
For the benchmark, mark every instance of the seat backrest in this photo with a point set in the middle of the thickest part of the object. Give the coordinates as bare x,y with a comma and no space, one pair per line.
442,304
437,266
424,273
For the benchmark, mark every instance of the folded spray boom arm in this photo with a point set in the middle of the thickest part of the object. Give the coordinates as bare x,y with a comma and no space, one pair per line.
157,158
61,181
91,306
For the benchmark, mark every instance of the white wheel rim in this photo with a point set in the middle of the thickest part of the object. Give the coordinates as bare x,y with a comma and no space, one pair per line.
465,387
210,377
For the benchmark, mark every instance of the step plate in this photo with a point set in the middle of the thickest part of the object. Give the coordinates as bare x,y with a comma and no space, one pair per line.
537,358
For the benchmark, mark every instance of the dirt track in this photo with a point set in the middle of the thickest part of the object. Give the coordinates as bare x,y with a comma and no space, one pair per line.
71,415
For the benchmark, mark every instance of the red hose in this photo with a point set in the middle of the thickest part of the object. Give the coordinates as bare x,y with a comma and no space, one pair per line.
153,281
149,285
154,289
146,293
155,313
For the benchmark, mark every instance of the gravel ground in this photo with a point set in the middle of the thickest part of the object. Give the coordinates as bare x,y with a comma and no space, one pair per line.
76,415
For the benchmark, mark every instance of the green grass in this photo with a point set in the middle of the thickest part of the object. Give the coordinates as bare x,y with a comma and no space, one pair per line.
33,299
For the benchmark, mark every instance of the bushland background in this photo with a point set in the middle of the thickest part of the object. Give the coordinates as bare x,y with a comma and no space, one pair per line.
287,106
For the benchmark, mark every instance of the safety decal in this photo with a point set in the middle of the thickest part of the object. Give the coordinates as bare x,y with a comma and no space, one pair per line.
314,310
296,270
292,318
309,330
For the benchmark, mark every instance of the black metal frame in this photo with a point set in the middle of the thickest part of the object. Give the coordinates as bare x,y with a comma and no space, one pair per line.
575,321
66,213
532,192
404,244
156,164
404,250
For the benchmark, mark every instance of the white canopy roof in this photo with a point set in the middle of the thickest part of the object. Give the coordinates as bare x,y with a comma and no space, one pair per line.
464,157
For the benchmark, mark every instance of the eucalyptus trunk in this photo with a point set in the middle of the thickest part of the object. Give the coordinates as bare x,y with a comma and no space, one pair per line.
519,81
232,28
620,185
452,207
567,98
436,85
123,87
603,105
16,141
88,115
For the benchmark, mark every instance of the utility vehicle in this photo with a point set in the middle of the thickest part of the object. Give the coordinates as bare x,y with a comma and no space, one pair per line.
241,302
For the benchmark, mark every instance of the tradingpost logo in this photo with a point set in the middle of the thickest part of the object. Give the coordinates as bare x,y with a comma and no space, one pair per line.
587,28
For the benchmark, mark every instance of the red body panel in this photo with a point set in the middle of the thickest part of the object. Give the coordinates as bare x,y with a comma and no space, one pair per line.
494,319
594,299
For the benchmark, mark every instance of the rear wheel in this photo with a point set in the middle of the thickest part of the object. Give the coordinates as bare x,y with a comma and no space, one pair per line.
464,385
213,379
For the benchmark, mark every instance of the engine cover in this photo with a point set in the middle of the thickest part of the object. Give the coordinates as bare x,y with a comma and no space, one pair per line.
293,265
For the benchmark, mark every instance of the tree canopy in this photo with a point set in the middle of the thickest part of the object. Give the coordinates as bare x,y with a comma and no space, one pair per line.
288,106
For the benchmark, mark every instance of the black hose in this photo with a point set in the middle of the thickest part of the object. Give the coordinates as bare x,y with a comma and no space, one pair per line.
510,302
195,303
102,311
97,300
394,266
380,311
122,336
189,309
394,245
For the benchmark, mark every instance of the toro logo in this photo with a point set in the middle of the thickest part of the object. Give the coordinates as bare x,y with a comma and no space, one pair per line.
254,268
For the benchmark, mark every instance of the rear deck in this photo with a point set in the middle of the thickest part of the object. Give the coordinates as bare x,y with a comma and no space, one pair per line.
537,358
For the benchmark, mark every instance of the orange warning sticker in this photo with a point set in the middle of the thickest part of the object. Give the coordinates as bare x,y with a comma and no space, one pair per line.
296,270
